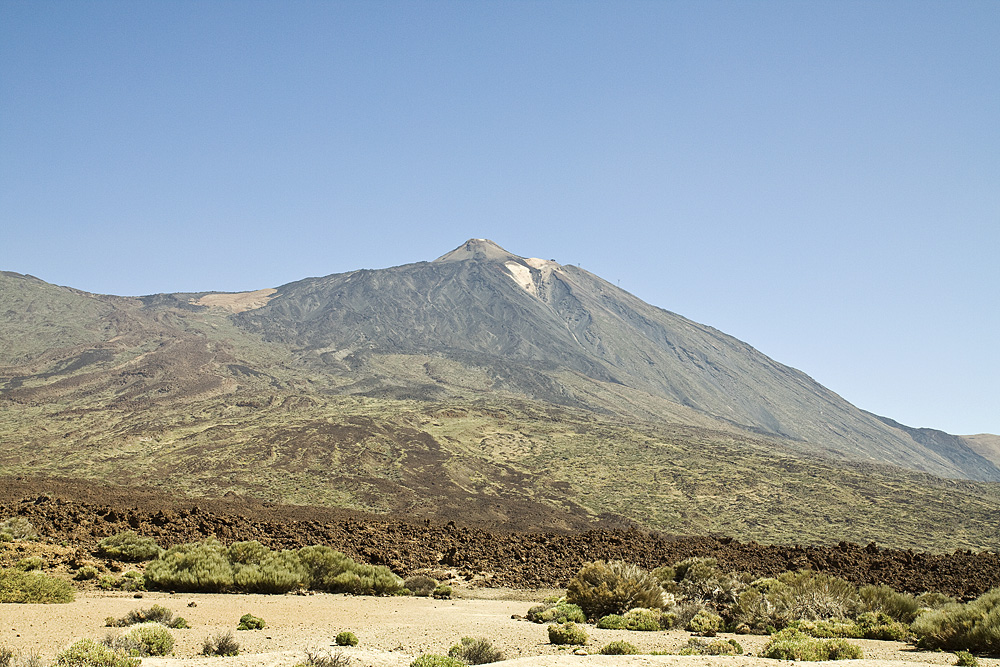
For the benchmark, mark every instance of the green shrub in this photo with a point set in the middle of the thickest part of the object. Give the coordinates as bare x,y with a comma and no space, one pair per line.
323,565
643,620
420,585
275,572
602,588
611,622
699,578
30,563
347,639
966,659
33,587
155,614
563,612
901,607
791,644
879,625
128,546
152,638
567,633
86,573
717,647
814,596
17,528
442,592
619,648
934,600
475,651
88,653
251,622
974,626
705,623
194,567
221,644
434,660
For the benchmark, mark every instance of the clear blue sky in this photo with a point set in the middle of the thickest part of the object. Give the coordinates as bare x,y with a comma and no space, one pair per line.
819,179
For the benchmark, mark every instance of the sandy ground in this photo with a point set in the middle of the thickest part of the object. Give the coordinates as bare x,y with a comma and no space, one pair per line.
392,631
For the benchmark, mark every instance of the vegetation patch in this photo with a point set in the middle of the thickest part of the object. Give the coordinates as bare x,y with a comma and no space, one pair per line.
220,644
567,633
717,647
128,546
475,651
792,644
251,622
155,614
88,653
33,587
619,648
346,639
435,660
602,588
974,626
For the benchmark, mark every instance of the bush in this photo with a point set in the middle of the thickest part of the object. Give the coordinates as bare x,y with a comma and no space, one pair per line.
221,644
934,600
814,596
420,585
434,660
88,653
17,528
86,573
966,659
442,592
347,639
30,563
325,659
563,612
879,625
619,648
9,659
475,651
151,638
791,644
901,607
718,647
603,588
567,633
128,546
611,622
700,579
251,622
277,572
194,567
155,614
643,620
33,587
974,626
705,623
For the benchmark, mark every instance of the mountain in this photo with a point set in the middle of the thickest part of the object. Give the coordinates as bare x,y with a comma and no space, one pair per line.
506,390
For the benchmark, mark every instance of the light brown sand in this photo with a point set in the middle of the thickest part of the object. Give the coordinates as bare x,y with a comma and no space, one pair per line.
392,631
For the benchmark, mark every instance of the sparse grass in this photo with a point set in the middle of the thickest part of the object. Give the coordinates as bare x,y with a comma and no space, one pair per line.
33,587
435,660
325,659
476,651
220,644
155,614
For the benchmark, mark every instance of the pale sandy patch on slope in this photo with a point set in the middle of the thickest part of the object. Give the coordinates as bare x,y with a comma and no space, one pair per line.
238,302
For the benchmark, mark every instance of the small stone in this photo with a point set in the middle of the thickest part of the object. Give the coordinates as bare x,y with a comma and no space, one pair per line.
580,651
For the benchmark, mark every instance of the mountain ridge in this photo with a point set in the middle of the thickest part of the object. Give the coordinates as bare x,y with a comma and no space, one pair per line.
481,383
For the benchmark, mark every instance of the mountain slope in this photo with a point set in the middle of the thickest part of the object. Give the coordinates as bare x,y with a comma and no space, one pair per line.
524,319
482,386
